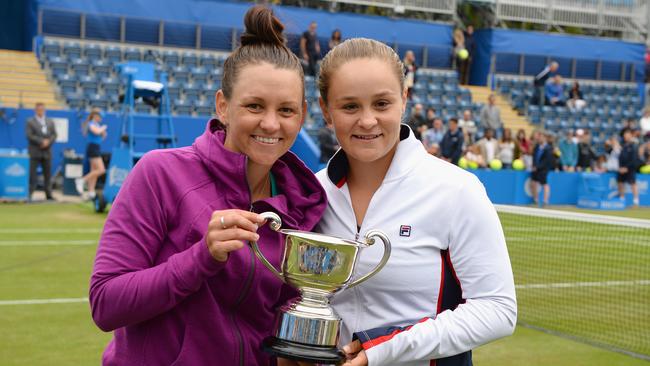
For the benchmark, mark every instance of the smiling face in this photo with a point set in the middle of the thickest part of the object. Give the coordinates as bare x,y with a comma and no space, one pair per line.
365,105
264,113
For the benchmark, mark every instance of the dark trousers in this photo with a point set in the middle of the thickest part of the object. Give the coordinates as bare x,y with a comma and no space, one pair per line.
46,165
312,66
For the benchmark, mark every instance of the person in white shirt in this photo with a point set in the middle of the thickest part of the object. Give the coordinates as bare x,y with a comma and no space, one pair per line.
468,126
448,285
489,146
644,123
506,149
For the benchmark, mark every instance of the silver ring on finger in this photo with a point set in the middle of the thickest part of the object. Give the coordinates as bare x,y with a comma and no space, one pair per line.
223,223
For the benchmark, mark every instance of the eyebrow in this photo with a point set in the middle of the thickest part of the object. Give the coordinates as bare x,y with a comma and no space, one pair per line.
385,93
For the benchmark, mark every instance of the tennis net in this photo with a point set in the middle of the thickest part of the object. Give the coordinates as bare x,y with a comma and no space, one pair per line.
582,276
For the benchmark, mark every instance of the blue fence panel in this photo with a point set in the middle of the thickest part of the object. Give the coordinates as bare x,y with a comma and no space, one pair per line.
610,70
438,57
507,63
586,69
61,23
103,27
142,31
216,38
533,64
180,34
565,66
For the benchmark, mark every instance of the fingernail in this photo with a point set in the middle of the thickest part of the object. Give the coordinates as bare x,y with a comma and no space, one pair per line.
346,349
257,237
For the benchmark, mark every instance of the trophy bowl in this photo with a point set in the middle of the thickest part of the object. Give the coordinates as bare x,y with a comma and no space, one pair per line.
318,266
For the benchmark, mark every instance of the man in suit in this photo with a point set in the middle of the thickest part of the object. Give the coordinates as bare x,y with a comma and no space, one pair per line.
40,137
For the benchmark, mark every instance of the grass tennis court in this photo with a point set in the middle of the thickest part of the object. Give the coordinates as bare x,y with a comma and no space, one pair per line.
46,252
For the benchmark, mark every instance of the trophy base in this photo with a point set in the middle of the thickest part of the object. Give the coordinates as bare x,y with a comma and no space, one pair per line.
302,352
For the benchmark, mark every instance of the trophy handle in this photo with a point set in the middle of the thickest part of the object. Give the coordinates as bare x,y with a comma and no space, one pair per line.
275,223
370,240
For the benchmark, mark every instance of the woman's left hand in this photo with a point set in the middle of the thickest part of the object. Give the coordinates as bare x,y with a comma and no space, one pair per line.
356,354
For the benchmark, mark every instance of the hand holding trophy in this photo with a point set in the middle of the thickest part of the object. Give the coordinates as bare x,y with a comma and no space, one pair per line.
307,328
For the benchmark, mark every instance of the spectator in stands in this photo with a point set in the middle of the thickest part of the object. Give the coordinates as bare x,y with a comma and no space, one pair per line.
612,151
600,166
568,152
540,81
491,115
460,53
628,163
327,142
335,39
470,45
523,148
506,149
407,185
95,133
576,100
41,134
555,92
451,147
644,153
489,145
418,122
434,135
644,123
474,157
310,49
543,162
409,71
431,116
171,256
586,154
468,126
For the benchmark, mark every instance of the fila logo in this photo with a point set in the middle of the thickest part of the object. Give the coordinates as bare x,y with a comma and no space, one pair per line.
405,230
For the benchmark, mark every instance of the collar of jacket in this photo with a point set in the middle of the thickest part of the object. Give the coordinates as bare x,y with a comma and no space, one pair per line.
300,201
409,149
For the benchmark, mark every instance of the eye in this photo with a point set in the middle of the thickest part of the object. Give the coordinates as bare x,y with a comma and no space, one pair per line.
382,104
286,111
254,107
351,107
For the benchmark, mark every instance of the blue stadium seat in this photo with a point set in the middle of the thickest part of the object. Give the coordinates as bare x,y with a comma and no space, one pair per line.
216,74
209,62
534,114
67,83
92,52
72,50
58,65
88,85
597,89
191,92
437,78
113,54
203,108
101,68
132,54
111,85
50,48
173,90
98,101
75,100
141,107
80,66
190,60
151,56
171,58
182,107
181,74
199,75
562,112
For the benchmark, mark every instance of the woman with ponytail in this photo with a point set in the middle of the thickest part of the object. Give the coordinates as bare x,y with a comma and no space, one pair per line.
95,132
173,278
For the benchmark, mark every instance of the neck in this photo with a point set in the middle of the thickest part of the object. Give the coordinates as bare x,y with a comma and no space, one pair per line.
259,183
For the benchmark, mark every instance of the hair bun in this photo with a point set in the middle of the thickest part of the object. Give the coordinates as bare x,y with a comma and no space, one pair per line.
262,27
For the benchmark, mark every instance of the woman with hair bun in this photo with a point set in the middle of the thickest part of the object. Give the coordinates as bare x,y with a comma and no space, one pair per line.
172,277
95,132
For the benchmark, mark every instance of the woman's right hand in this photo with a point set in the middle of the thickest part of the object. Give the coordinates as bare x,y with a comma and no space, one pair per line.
228,229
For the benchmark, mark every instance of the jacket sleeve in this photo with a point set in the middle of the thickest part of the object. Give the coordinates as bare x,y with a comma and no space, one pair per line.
126,287
53,134
480,259
31,134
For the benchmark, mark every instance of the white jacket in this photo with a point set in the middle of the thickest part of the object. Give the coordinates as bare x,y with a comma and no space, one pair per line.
448,252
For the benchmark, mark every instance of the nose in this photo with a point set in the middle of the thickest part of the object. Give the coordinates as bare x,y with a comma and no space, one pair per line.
367,119
270,122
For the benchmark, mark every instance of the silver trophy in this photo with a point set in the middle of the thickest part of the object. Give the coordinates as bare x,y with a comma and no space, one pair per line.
307,328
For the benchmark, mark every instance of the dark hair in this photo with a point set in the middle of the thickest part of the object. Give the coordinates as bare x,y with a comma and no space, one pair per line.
455,120
262,41
336,32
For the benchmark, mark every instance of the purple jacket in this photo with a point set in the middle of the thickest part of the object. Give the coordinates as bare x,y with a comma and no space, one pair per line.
154,282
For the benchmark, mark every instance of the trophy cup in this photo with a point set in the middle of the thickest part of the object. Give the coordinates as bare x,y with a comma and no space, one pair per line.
307,328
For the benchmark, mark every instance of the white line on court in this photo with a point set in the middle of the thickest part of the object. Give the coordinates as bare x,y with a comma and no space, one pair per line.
583,284
18,243
43,301
49,231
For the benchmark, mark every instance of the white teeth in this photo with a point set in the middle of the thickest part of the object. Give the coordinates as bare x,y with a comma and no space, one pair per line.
366,137
267,140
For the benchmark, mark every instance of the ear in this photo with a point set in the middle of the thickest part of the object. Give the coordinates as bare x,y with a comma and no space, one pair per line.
326,114
304,112
405,96
221,106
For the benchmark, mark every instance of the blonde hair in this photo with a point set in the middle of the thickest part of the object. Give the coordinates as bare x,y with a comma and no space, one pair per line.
356,48
84,126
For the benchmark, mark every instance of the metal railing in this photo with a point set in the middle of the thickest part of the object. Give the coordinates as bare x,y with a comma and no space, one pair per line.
430,6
